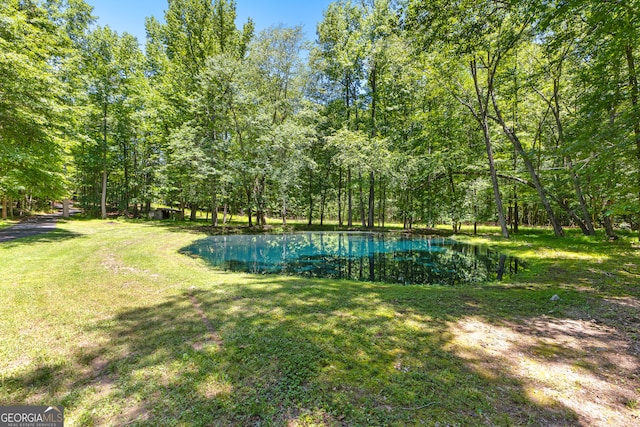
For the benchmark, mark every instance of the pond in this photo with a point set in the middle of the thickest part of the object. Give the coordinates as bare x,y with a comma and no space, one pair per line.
365,256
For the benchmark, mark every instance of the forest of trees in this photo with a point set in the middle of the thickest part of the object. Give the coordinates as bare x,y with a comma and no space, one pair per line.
418,111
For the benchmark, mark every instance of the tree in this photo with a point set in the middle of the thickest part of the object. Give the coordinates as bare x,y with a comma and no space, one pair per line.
400,102
112,72
37,44
463,46
488,34
610,37
179,54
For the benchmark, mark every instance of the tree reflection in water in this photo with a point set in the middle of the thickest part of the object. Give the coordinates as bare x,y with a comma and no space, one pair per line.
357,256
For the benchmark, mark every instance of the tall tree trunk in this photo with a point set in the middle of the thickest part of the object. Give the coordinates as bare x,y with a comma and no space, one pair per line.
515,194
136,192
214,209
590,230
557,228
125,154
350,199
372,184
347,85
606,217
248,191
606,222
310,221
4,207
475,211
411,218
194,211
224,204
633,82
284,210
405,210
322,202
256,200
363,219
608,227
373,79
454,214
103,197
380,197
516,216
260,186
554,105
384,202
574,216
147,201
323,199
494,180
481,117
340,196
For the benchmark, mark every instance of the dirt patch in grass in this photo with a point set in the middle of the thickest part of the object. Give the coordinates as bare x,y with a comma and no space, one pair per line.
589,368
213,337
130,415
115,266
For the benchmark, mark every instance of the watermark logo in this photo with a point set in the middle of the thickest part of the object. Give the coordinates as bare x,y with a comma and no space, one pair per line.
31,416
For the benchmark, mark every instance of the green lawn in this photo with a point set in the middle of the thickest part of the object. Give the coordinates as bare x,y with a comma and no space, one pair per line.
6,223
107,319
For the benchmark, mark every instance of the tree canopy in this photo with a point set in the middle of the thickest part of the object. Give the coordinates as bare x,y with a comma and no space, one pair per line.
513,112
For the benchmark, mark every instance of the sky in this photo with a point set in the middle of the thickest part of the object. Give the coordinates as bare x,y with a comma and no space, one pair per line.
129,15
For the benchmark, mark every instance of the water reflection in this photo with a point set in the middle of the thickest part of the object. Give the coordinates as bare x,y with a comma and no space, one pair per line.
357,256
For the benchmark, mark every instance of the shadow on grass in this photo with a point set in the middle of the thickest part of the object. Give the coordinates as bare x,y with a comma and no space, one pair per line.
286,351
588,263
45,236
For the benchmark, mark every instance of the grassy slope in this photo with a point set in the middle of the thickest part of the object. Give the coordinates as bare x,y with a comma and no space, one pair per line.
107,319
